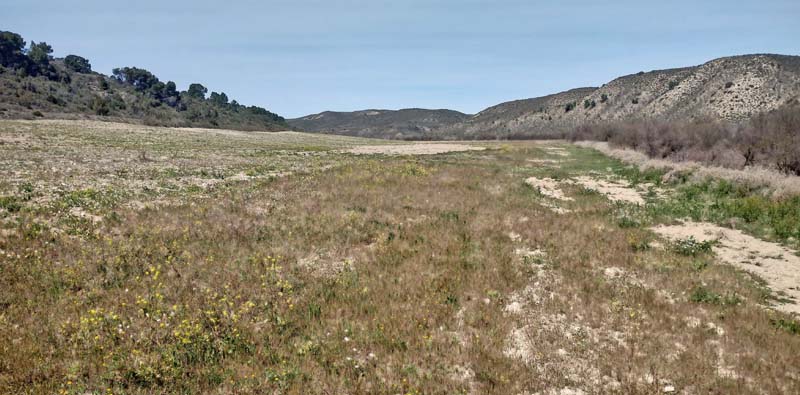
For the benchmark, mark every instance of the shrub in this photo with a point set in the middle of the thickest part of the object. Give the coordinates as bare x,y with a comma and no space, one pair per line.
103,83
772,138
787,325
10,204
219,99
769,139
40,52
77,64
569,107
691,246
100,106
702,294
140,79
197,91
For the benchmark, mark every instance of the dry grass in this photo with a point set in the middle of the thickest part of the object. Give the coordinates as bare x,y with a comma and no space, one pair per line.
436,274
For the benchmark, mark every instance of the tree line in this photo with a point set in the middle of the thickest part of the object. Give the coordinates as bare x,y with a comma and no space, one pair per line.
36,60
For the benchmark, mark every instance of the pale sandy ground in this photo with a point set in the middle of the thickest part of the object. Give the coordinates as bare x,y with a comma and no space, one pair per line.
548,187
777,265
617,191
412,149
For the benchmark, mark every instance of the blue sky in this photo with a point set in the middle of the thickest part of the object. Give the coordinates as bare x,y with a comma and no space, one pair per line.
304,56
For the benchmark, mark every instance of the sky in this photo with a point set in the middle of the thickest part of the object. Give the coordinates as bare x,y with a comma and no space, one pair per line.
298,57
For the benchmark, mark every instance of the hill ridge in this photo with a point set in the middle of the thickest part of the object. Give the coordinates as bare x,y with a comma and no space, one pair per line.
732,88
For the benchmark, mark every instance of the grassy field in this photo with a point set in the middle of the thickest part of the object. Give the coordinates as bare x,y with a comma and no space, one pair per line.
137,260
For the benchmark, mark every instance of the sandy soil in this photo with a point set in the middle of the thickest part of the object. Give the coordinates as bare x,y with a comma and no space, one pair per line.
548,187
777,265
559,151
618,191
412,149
544,161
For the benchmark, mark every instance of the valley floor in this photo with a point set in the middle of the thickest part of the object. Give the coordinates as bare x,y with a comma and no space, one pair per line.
139,260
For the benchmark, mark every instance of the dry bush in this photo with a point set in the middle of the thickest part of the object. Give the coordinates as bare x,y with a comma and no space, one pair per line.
773,138
770,140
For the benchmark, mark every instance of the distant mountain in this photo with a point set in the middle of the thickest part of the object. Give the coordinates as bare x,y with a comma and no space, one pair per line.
515,119
33,84
412,123
732,88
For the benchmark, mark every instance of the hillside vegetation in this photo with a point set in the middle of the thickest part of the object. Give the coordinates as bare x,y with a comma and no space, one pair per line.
35,85
770,139
732,90
406,124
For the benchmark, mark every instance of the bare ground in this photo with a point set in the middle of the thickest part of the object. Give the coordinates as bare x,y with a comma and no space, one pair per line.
412,149
777,265
617,190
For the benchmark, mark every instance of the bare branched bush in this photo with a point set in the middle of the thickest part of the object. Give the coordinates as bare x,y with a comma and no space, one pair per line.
769,140
774,138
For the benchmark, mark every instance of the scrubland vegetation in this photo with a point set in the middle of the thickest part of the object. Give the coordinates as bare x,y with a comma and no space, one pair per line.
770,140
142,260
34,85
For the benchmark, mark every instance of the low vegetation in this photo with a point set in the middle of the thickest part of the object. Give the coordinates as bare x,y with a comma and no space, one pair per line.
229,262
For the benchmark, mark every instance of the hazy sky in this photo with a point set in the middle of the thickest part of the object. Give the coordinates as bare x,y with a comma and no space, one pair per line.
297,57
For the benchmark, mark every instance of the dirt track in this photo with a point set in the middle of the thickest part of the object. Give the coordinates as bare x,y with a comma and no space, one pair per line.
412,149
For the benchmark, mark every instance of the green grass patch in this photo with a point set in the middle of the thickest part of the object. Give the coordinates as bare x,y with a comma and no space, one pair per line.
702,294
788,325
10,204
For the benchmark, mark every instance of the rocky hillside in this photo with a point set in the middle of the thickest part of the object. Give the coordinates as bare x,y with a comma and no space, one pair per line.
732,88
517,119
412,123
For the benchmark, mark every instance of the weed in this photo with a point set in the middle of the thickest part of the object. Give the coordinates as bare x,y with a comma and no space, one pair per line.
413,170
788,325
638,244
691,246
702,294
10,204
629,217
700,264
